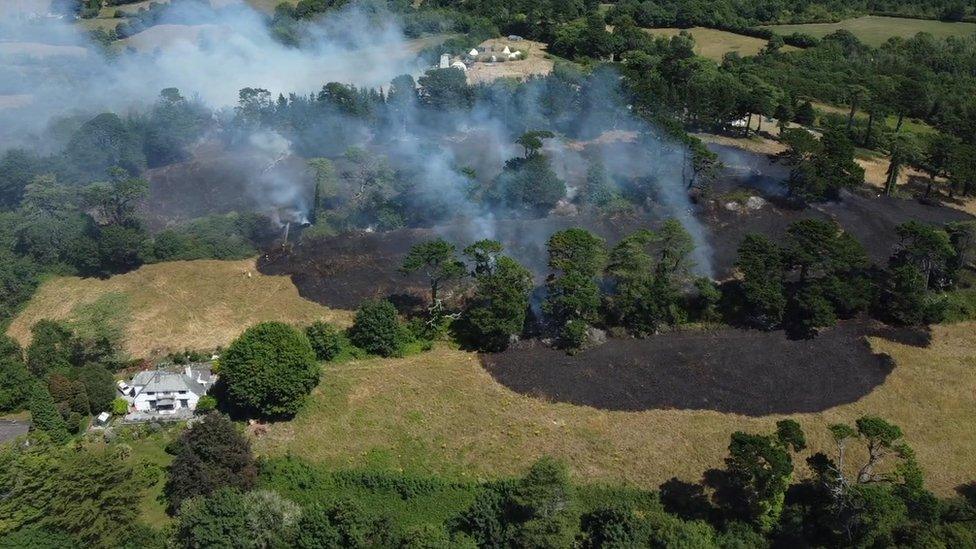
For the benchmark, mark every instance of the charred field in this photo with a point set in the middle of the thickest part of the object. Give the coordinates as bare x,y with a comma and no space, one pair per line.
343,270
725,370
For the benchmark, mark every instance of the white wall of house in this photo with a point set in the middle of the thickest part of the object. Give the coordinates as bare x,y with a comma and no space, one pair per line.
146,401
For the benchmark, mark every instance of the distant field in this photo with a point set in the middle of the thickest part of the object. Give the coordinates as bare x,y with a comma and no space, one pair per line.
714,44
441,412
180,305
875,30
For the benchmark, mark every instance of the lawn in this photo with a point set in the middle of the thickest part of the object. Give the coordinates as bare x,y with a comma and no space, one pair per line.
875,30
441,413
179,305
714,44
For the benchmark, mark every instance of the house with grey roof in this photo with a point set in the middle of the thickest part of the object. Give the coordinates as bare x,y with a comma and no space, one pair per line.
162,392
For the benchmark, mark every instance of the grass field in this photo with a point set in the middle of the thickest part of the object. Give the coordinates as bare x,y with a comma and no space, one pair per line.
714,44
179,305
440,412
875,30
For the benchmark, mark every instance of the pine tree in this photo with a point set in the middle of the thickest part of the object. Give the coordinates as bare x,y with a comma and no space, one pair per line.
45,416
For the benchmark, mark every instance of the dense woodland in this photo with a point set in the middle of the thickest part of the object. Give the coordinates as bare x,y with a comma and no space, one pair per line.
78,211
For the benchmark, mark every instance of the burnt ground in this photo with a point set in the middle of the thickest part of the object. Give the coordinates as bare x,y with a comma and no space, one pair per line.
216,181
343,270
727,370
871,219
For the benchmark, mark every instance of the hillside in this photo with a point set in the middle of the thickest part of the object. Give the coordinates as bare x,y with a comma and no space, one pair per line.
442,412
179,305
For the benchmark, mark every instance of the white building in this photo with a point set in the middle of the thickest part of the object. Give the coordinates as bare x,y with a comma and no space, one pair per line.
164,392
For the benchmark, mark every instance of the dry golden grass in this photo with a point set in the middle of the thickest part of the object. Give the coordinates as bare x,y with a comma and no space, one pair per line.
179,305
441,412
714,44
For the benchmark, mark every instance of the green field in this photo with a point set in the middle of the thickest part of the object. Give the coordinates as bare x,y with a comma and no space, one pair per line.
875,30
714,44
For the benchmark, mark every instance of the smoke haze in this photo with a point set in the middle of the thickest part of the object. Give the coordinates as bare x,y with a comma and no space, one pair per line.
50,69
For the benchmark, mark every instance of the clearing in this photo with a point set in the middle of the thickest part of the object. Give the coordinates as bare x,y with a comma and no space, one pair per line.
875,30
441,412
179,305
535,61
714,44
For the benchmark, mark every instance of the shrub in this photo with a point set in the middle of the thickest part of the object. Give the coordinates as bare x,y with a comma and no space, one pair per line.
574,335
326,340
206,404
120,407
377,329
269,370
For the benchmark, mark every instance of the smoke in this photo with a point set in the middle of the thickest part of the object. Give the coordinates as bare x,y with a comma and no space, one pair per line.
49,66
50,69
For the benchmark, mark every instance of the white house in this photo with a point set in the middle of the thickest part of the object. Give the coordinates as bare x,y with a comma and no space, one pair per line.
166,392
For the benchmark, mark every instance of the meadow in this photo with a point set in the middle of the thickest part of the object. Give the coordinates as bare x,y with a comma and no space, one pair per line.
714,44
876,30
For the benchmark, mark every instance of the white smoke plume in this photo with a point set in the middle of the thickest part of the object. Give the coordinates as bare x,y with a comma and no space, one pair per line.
49,66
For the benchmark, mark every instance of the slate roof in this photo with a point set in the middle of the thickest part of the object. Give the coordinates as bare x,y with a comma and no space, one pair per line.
166,381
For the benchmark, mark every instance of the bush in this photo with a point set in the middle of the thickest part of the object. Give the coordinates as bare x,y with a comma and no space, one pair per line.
120,407
326,340
269,370
377,329
574,335
206,404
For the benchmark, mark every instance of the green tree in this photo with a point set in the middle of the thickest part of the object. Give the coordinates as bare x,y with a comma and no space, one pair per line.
269,370
342,524
484,254
760,262
327,341
445,90
91,495
528,183
15,379
270,518
531,141
104,142
805,114
50,349
210,456
115,202
99,386
576,250
377,330
45,416
544,506
759,469
928,249
497,310
903,150
217,521
438,261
